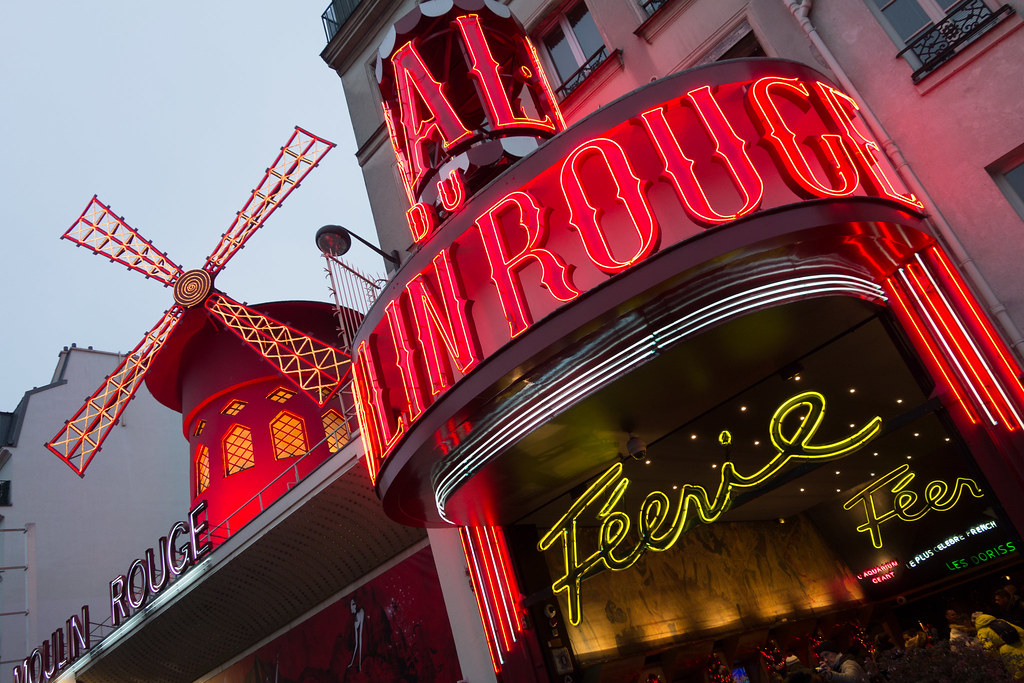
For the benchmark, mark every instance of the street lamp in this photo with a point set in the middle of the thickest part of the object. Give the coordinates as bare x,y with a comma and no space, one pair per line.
334,240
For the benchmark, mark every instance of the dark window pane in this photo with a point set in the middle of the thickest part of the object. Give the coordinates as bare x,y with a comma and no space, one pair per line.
747,46
1015,178
561,54
906,17
585,30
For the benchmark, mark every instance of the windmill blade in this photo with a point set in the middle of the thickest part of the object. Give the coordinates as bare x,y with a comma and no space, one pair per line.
99,230
297,158
314,367
83,435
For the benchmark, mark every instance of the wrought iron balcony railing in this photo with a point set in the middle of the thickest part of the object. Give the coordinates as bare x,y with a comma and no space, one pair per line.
964,22
581,73
336,14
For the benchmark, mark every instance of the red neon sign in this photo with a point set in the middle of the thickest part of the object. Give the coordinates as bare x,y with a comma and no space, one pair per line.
610,199
455,84
730,150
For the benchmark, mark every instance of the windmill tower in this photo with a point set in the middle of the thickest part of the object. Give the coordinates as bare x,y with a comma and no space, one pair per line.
254,384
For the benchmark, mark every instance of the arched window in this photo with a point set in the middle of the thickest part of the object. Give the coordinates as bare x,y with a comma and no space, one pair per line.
288,434
238,453
202,469
336,430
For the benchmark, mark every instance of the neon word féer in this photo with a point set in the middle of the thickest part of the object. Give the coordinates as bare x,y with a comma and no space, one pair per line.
658,527
938,495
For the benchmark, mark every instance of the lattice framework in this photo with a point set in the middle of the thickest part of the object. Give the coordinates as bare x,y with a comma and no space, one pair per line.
313,366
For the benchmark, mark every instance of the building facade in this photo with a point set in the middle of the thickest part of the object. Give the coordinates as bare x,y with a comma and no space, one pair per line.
64,538
601,364
704,346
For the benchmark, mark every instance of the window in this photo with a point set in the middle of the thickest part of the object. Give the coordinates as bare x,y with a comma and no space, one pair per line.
202,469
932,31
280,395
336,430
233,407
288,434
1008,174
575,47
747,46
200,426
651,6
238,453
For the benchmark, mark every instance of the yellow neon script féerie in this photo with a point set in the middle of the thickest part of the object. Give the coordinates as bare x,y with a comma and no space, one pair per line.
658,526
937,496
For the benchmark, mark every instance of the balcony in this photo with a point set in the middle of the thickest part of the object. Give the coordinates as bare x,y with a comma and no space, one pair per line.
581,73
937,43
336,14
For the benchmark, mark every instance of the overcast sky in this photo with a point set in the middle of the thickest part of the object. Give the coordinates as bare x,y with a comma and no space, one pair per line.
170,113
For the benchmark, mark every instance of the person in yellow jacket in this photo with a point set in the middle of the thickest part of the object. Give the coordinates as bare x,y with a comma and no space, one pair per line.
1005,638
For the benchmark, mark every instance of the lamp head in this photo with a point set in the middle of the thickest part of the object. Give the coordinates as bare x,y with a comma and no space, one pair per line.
333,240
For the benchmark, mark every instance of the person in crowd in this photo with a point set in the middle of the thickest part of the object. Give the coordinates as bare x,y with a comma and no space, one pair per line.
998,635
1009,606
794,665
838,667
914,638
961,629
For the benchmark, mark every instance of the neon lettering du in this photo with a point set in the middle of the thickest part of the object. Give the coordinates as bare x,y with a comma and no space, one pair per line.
659,523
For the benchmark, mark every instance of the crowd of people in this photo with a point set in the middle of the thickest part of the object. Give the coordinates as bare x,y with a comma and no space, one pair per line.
996,629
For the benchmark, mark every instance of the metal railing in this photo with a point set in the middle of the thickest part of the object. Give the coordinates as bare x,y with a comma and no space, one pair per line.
581,73
336,14
964,22
282,483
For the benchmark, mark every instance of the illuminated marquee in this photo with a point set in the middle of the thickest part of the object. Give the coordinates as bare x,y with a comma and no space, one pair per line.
906,506
64,647
658,525
659,174
185,544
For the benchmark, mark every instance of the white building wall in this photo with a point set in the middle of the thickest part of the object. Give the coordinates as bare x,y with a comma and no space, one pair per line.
950,126
82,532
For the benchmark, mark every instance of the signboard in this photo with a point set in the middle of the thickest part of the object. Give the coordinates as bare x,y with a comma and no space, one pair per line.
698,151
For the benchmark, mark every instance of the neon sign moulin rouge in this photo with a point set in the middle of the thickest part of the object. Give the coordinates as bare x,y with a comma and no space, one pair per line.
128,593
694,152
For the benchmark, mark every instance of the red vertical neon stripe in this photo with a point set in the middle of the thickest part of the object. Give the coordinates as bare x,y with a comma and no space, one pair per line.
968,356
493,590
911,323
474,574
512,588
1010,369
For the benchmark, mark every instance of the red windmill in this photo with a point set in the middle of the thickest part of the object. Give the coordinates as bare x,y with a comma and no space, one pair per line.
317,369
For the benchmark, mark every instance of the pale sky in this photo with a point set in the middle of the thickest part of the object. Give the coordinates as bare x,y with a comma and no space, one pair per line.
170,113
